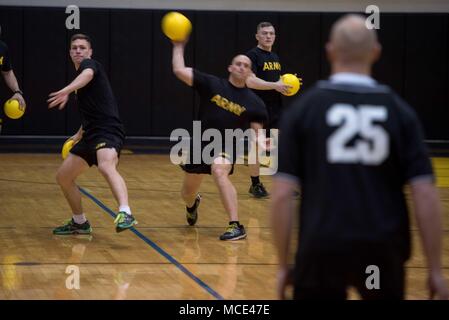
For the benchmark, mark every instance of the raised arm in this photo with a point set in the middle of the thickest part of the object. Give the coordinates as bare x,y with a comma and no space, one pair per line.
183,73
62,96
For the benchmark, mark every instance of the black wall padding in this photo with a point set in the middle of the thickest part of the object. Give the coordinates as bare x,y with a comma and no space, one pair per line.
44,63
131,78
153,102
299,47
426,78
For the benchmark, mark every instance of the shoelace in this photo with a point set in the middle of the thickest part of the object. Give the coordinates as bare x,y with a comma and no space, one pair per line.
120,218
67,222
231,227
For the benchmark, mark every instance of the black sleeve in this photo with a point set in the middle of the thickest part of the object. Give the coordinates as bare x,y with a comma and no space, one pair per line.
88,64
5,64
253,57
202,81
289,160
415,161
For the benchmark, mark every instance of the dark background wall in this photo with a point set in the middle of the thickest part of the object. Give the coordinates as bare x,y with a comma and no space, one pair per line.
137,56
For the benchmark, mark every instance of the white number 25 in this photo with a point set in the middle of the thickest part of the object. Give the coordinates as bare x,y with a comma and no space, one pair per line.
372,146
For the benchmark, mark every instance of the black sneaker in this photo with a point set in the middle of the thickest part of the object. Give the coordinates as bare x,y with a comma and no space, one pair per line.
192,217
234,232
258,191
71,227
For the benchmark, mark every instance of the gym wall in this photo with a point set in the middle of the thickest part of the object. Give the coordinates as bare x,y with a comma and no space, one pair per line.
137,56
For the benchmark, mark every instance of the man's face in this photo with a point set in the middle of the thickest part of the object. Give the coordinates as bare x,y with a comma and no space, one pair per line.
80,50
240,67
266,36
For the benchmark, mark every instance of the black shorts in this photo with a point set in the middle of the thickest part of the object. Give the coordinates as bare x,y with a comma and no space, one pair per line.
328,276
202,168
87,147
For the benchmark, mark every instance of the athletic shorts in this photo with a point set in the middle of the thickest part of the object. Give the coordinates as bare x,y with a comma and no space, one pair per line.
328,276
87,147
203,168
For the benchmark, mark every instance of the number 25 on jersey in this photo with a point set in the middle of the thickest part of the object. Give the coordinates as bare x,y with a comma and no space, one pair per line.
372,145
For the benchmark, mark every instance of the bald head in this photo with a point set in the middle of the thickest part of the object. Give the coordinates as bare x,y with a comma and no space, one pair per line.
351,42
239,70
241,58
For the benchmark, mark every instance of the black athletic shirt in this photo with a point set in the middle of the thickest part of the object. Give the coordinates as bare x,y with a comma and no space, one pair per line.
266,66
5,62
224,106
97,104
352,145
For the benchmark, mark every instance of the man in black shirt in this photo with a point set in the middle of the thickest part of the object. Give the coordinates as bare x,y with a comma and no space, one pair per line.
98,141
224,104
266,80
352,145
8,74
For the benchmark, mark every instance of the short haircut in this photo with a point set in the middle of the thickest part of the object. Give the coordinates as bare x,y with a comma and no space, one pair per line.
82,37
263,25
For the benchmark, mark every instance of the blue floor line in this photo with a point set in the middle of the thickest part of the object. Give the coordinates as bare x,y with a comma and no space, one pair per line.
157,248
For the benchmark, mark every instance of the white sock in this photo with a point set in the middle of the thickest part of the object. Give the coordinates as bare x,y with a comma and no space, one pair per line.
125,209
79,218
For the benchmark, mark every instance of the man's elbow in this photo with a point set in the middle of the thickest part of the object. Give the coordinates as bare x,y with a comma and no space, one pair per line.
178,72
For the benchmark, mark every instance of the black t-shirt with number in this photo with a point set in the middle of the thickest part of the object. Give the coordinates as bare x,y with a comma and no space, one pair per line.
5,62
352,148
224,106
97,104
266,66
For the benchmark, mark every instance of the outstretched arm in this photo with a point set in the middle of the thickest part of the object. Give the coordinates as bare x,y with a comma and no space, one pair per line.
254,82
62,96
183,73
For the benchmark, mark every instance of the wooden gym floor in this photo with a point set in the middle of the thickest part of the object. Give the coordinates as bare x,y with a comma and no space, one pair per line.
163,258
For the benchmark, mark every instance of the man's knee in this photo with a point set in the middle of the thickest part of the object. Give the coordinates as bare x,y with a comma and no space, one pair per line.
220,171
106,168
63,178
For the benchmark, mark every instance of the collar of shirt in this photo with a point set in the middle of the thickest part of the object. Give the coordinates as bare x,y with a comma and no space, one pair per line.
353,78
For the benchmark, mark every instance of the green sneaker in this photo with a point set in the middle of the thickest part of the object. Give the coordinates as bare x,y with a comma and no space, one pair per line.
124,221
71,227
234,232
192,217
